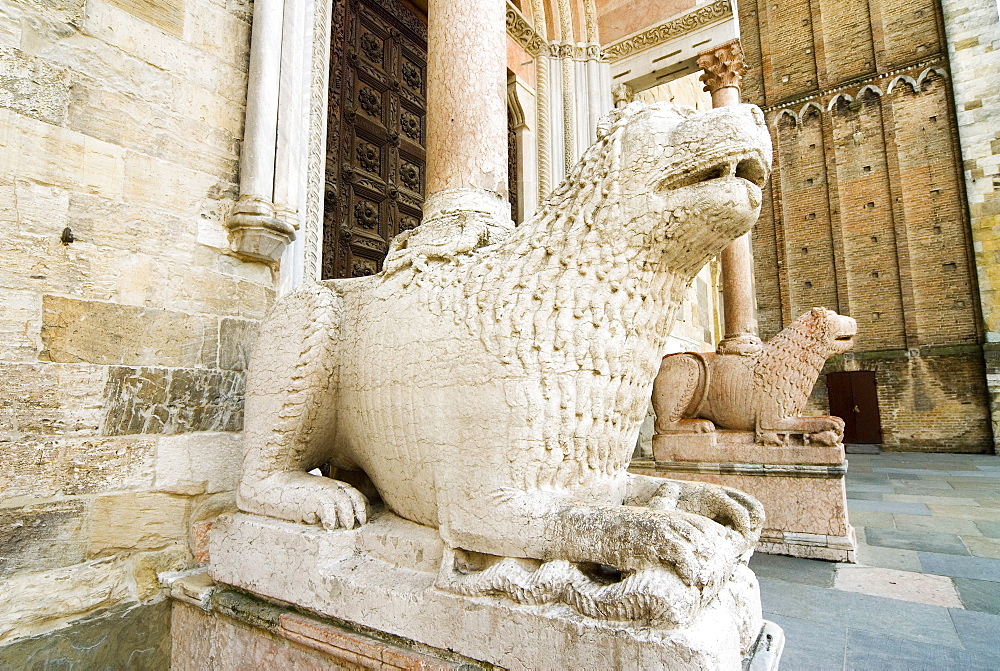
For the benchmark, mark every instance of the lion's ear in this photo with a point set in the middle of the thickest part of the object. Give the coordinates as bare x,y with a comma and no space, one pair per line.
819,312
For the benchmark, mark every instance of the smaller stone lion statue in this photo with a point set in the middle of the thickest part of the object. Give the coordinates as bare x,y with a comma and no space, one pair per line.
762,392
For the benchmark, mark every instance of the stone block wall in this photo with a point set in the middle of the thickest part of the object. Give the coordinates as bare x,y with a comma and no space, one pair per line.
866,211
973,29
125,324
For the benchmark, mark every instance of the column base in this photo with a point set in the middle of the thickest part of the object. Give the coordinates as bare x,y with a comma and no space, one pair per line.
741,344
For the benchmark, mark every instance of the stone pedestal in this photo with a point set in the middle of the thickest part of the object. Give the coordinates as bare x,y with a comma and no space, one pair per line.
377,583
801,486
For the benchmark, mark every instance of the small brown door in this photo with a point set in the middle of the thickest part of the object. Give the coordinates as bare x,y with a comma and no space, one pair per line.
376,134
854,398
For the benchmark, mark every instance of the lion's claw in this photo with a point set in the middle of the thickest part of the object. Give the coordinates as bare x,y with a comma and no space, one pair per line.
342,507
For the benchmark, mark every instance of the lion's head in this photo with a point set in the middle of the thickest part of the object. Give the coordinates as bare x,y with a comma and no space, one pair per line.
693,179
829,333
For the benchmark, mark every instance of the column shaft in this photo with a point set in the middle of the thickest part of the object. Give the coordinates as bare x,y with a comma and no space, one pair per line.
253,229
724,69
466,96
261,125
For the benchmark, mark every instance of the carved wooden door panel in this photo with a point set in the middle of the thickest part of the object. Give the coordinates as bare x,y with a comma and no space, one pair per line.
377,129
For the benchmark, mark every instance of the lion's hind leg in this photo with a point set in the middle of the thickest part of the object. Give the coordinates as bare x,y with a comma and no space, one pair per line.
291,414
678,393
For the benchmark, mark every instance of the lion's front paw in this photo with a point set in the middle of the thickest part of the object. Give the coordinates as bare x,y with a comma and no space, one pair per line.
699,550
339,506
729,507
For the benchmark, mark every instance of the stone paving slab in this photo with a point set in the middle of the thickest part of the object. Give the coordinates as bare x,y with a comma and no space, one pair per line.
854,495
923,472
977,631
811,645
963,512
793,569
922,541
868,651
934,590
982,547
989,528
977,568
862,487
888,507
864,519
904,560
937,500
981,595
942,524
863,479
925,486
972,488
912,621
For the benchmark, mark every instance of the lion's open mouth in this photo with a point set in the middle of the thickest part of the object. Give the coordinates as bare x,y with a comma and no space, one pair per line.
845,337
747,167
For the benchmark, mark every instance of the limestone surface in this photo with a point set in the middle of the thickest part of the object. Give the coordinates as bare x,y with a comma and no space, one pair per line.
494,389
371,576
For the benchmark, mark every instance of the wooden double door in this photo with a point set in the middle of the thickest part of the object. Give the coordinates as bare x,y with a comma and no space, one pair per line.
853,397
376,133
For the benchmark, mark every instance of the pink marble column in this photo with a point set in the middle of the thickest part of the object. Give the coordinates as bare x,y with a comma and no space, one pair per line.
466,97
723,73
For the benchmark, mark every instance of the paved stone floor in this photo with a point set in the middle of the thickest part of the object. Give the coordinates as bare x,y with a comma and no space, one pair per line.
925,593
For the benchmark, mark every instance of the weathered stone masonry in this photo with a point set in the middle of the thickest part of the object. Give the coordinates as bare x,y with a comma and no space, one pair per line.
125,323
973,30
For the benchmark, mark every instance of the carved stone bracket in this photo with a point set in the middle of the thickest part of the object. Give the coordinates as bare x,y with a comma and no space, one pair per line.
255,232
723,66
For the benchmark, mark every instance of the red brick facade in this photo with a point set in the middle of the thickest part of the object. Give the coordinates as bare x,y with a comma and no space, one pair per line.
865,212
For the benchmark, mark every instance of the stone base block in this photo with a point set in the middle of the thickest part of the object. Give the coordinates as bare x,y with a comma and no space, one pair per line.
380,579
802,486
242,632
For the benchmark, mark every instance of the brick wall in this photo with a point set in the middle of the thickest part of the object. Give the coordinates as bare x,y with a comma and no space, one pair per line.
122,352
866,212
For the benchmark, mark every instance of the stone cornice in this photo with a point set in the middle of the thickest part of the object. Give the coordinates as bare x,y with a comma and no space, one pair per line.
528,39
937,61
700,17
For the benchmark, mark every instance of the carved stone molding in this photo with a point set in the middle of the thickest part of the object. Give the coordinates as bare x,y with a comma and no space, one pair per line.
914,75
723,66
316,152
255,232
699,18
523,33
533,43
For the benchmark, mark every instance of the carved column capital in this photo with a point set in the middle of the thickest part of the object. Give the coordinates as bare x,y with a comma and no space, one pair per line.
723,66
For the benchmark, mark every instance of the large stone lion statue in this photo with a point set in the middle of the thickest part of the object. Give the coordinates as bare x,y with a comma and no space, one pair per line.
491,381
763,392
